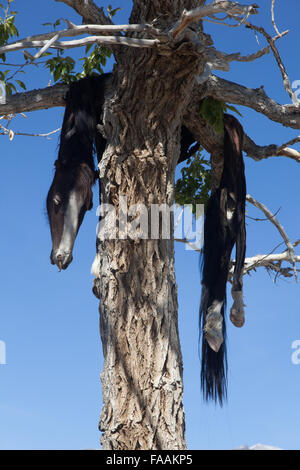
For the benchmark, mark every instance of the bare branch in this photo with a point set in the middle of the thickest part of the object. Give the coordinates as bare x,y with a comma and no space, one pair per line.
108,40
34,100
230,8
283,148
214,58
88,10
257,99
8,132
258,152
77,30
220,61
290,249
272,261
273,16
285,78
48,44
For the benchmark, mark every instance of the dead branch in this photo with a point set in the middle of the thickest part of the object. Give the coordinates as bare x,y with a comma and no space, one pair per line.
107,40
273,16
11,133
290,249
230,8
89,11
35,100
257,99
258,152
285,77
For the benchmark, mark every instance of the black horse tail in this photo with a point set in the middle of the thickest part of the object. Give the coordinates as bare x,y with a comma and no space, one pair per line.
224,226
84,101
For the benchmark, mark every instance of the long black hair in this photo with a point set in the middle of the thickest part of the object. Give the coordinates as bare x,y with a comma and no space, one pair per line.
224,227
79,133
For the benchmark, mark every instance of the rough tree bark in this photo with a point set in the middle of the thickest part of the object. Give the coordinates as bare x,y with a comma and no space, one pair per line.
153,92
142,374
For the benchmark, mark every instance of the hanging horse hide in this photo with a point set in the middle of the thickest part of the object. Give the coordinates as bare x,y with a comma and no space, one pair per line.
70,194
224,227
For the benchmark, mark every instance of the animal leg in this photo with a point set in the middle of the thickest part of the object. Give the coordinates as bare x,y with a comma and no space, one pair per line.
214,325
237,313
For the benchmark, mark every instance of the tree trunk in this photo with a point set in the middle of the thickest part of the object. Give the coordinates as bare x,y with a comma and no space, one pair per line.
142,373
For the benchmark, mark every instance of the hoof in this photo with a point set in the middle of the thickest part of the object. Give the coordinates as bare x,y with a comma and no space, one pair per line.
237,318
214,339
237,314
213,329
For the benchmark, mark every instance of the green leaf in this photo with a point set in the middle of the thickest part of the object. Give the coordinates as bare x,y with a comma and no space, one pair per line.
194,185
113,12
212,111
10,87
88,48
57,72
233,108
46,54
21,84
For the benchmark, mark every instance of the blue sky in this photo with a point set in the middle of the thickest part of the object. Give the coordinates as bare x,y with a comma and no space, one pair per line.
50,391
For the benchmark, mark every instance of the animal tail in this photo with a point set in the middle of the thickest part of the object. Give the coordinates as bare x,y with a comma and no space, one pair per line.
224,226
84,102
